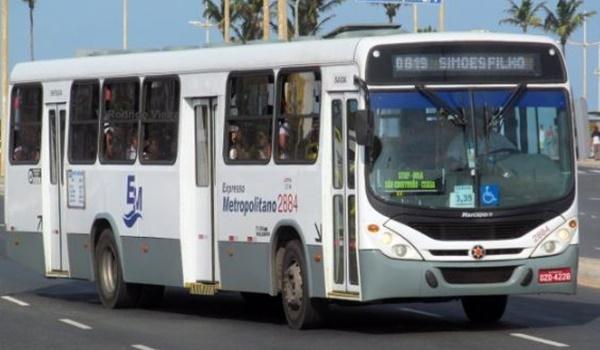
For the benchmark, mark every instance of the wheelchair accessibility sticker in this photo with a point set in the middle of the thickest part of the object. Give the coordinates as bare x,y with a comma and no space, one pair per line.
490,195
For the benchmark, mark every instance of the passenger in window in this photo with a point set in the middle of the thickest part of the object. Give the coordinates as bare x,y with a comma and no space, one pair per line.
18,154
132,149
109,148
283,140
236,151
151,149
311,146
263,146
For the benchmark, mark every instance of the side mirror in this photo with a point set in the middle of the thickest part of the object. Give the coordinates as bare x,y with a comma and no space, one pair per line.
364,133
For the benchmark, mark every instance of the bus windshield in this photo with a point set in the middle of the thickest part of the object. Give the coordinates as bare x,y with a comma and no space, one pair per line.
496,159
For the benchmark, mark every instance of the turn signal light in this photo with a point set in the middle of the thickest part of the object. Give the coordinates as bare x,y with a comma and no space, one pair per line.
373,228
573,224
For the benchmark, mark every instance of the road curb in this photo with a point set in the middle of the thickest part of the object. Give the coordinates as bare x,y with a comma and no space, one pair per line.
589,273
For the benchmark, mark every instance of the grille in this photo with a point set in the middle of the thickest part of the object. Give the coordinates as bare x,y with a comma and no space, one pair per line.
460,252
483,275
465,231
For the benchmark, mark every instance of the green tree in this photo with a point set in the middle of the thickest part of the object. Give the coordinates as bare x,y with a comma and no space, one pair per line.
391,11
248,24
245,18
523,15
31,4
311,15
565,20
428,29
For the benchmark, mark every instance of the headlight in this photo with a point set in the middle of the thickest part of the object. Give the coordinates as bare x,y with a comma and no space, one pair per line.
556,242
396,247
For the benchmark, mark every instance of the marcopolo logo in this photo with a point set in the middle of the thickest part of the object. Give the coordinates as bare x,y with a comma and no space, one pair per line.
134,198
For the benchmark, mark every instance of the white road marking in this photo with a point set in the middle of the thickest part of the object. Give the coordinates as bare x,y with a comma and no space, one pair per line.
594,199
142,347
595,171
593,216
422,313
597,248
75,324
15,300
539,340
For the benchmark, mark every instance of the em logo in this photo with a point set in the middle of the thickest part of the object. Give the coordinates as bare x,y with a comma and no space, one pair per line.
134,198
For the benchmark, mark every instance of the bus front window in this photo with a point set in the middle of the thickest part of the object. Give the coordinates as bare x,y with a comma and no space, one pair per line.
478,156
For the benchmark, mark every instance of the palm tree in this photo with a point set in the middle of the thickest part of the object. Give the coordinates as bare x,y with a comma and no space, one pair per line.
523,15
566,19
249,16
391,11
245,18
216,12
310,14
31,4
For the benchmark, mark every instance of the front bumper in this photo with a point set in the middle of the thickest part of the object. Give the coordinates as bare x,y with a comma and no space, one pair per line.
384,278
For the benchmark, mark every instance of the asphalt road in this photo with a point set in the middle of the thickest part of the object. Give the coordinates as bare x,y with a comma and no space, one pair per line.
56,314
589,211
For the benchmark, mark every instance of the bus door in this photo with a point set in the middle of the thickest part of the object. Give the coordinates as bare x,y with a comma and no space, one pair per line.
57,114
345,244
204,134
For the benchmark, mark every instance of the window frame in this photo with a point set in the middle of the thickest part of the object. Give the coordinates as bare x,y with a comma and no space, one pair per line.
100,151
11,145
71,120
276,112
142,119
227,119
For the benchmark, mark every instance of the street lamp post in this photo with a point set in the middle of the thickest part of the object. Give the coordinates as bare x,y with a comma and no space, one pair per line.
296,20
4,80
125,25
206,25
585,44
597,72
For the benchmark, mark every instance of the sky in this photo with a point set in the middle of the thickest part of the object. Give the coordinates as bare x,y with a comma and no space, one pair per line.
64,26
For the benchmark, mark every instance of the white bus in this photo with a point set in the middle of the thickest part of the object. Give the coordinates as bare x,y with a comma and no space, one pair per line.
354,168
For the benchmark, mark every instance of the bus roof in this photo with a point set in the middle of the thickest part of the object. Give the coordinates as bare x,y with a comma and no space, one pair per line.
320,52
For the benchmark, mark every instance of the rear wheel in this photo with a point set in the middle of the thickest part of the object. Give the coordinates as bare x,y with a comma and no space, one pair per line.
113,291
301,312
485,309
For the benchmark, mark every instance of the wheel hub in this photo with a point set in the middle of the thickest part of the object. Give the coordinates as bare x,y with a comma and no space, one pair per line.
293,285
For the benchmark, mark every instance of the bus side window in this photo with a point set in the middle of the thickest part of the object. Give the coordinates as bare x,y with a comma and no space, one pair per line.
249,118
160,121
298,117
120,119
26,124
85,110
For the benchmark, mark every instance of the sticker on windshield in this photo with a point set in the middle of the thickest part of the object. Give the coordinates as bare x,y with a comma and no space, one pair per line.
462,197
490,195
413,181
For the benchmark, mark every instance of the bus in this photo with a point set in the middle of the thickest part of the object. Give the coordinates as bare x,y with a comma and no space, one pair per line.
365,166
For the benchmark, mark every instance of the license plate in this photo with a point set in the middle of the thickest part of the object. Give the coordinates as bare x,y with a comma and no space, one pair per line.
555,275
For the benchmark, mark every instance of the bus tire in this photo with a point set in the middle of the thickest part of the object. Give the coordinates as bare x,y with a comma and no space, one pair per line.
484,309
301,312
113,291
151,296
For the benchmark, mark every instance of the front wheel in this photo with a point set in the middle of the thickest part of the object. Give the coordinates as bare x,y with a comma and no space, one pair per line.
485,309
114,293
301,312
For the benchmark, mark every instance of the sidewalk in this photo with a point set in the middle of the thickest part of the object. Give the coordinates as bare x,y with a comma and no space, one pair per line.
590,163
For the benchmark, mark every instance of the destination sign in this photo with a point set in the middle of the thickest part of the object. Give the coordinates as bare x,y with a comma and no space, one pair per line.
522,64
465,63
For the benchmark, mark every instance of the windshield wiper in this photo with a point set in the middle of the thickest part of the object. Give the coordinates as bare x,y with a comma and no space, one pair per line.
452,114
508,105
